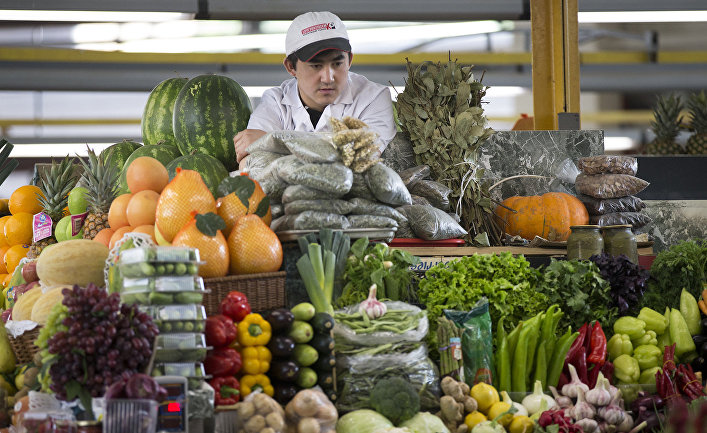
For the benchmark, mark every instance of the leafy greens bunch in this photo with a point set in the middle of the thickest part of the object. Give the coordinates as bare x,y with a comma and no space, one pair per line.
628,281
579,289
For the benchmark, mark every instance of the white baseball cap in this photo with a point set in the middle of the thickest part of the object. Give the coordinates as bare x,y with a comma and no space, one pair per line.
314,32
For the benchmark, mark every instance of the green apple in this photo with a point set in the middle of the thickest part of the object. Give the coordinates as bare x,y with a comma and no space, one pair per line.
77,200
60,229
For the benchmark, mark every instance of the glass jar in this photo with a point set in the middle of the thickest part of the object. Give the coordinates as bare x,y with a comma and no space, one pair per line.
619,239
89,427
584,241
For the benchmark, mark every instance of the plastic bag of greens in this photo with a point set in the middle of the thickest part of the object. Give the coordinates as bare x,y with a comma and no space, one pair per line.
416,319
258,160
596,206
315,220
404,231
636,219
270,182
276,210
270,142
335,177
282,223
359,188
387,186
301,192
311,146
431,224
477,342
609,185
371,221
414,174
420,201
341,207
436,193
361,206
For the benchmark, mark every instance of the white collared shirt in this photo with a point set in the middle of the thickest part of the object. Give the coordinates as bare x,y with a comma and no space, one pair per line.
281,108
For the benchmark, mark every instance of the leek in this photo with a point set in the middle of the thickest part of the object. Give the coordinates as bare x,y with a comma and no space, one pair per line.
315,257
314,290
329,274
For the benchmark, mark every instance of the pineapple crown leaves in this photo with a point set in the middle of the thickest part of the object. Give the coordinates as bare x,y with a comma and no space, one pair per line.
101,177
243,187
697,106
209,223
55,183
667,118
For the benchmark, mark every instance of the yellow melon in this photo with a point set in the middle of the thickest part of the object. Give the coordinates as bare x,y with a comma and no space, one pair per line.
76,261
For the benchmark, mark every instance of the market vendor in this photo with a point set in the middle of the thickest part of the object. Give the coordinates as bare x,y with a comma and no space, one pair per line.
318,57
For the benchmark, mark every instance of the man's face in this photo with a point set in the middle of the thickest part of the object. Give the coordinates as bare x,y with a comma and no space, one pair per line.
321,80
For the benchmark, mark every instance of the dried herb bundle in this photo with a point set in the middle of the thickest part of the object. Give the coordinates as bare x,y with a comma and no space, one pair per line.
440,110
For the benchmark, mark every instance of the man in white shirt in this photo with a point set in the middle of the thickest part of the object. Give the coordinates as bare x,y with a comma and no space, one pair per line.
318,57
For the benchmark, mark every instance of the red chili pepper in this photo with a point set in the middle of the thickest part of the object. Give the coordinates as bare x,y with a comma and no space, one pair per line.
581,366
223,361
669,359
227,390
220,331
608,371
597,353
593,375
577,346
235,305
564,380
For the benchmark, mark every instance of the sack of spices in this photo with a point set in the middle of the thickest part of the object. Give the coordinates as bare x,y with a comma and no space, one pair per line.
270,142
596,206
361,206
315,220
387,186
609,185
334,178
436,193
414,174
431,224
636,219
371,221
258,160
311,146
301,192
341,207
359,188
617,164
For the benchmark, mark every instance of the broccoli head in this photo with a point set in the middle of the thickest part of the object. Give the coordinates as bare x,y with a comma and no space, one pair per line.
396,399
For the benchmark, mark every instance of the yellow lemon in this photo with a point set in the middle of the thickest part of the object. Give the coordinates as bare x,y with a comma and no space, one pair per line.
496,411
521,424
485,395
474,418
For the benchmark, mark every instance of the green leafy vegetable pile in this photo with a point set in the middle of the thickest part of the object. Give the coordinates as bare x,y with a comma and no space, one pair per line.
580,291
683,266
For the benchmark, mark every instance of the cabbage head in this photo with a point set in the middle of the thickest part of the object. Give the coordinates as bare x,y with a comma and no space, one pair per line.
363,421
425,422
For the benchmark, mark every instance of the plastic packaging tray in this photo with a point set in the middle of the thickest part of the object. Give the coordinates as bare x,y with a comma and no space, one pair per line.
193,372
186,347
159,254
157,269
177,318
163,298
163,284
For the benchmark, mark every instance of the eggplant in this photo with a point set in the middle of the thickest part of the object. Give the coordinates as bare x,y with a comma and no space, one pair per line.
281,346
703,326
699,364
652,402
281,320
702,349
286,371
284,392
699,340
653,420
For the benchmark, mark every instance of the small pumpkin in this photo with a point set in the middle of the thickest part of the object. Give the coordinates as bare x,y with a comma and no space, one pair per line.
548,216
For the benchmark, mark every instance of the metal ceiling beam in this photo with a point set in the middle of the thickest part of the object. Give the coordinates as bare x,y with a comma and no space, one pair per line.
184,6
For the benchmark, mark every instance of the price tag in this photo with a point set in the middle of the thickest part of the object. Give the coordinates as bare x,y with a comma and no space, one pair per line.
77,223
41,227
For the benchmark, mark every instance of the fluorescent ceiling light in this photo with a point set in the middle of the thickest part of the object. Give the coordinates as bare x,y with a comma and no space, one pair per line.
82,16
48,150
642,17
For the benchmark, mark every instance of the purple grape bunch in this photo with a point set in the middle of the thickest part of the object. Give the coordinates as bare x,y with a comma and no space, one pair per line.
104,342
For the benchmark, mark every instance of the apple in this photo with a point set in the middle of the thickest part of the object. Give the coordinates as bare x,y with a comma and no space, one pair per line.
29,272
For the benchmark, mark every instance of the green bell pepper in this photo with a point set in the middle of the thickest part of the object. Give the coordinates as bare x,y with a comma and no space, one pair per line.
648,338
690,311
648,376
654,320
619,345
634,328
626,369
648,356
680,334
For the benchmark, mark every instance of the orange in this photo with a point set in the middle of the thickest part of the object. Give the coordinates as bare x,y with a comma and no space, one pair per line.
118,235
212,249
146,173
25,199
18,229
148,229
185,193
6,279
104,236
254,247
3,250
3,241
230,207
13,255
141,208
117,216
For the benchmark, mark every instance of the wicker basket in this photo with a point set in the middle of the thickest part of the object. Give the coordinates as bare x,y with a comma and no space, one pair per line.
264,291
24,346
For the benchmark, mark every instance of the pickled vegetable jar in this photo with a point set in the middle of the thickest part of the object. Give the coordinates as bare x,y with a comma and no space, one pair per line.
584,241
89,426
619,239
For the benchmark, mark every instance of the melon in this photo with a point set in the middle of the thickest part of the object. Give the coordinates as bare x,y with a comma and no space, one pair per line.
119,152
23,307
210,169
58,265
157,116
44,304
164,153
208,112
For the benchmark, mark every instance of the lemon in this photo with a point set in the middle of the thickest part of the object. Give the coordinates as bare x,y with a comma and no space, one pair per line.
521,424
499,408
485,395
474,418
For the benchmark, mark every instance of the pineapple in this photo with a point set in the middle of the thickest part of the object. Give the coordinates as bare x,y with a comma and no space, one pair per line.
101,179
55,183
666,126
697,105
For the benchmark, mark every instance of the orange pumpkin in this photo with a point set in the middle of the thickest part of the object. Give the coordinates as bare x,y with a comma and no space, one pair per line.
549,215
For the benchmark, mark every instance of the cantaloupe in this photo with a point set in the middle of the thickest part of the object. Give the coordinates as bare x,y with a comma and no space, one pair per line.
76,261
43,306
23,307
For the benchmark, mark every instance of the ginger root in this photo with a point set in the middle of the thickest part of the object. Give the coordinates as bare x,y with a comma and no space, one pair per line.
455,404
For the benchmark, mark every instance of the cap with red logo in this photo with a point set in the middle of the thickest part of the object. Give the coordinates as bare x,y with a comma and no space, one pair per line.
314,32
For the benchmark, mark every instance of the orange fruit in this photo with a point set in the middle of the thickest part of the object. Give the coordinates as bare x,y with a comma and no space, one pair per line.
146,173
230,207
13,255
3,240
117,214
6,279
161,241
25,199
212,249
118,235
18,229
185,193
3,250
104,236
254,247
141,208
148,229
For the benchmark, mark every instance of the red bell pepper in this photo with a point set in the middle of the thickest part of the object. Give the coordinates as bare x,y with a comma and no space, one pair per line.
222,361
235,305
597,349
227,390
220,331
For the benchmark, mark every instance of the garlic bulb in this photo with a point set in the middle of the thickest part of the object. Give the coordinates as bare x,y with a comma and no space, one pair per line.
372,307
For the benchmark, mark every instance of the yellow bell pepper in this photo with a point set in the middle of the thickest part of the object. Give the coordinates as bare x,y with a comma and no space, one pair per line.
254,330
256,359
251,382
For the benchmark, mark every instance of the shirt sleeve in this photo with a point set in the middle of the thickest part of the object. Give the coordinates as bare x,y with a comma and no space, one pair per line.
378,115
267,116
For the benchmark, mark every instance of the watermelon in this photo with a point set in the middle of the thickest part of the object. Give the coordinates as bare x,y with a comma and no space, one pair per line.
120,152
210,169
208,112
164,153
158,113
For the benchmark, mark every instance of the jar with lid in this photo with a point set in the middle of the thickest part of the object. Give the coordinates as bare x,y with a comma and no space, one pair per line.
89,427
619,239
584,241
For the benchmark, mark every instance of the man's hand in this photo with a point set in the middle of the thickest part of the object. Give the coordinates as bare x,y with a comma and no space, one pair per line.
243,139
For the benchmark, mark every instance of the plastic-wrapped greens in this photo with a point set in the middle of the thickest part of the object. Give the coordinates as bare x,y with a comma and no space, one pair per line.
270,142
414,174
311,146
271,183
636,219
405,230
301,192
432,224
359,188
371,221
276,210
282,223
314,220
341,207
387,186
420,201
436,193
258,160
335,177
609,185
597,206
361,206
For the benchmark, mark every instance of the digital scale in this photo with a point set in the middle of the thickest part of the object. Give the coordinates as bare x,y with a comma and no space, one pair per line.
172,416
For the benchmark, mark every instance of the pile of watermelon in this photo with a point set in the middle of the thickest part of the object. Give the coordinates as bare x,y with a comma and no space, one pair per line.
189,124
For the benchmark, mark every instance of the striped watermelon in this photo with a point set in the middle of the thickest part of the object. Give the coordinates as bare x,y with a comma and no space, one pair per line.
120,152
210,169
208,112
158,113
164,153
